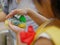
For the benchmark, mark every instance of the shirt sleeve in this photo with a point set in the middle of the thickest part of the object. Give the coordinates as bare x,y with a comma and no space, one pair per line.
45,35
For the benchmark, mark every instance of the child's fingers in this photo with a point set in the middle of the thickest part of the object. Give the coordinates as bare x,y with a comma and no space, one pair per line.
16,11
15,28
11,14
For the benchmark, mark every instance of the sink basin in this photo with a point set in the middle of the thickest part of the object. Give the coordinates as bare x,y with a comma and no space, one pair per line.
6,38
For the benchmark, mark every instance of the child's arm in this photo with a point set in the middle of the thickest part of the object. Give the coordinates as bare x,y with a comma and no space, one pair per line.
34,15
39,19
19,41
2,16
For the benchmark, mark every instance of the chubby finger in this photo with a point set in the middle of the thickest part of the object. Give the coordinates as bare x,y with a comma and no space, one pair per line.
15,28
11,14
16,11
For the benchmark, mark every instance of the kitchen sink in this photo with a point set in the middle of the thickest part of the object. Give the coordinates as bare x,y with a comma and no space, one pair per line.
6,38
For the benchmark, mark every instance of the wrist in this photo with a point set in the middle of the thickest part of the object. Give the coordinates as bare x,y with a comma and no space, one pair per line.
22,11
17,34
19,40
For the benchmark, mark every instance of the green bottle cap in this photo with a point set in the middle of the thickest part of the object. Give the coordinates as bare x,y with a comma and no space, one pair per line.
22,19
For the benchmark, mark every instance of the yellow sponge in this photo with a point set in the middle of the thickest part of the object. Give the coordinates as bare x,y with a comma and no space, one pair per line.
22,25
6,22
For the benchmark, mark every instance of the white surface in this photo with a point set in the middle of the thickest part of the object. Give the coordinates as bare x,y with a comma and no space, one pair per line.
3,28
27,4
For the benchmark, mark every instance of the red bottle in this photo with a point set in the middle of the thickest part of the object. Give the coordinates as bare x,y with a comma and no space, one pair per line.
28,37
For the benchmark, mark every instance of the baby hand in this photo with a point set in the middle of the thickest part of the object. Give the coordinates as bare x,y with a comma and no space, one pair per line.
14,28
16,11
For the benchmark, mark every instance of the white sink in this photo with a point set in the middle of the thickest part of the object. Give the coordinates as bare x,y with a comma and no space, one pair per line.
5,36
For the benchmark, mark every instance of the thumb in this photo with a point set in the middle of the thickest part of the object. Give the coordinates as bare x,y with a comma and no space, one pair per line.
15,28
